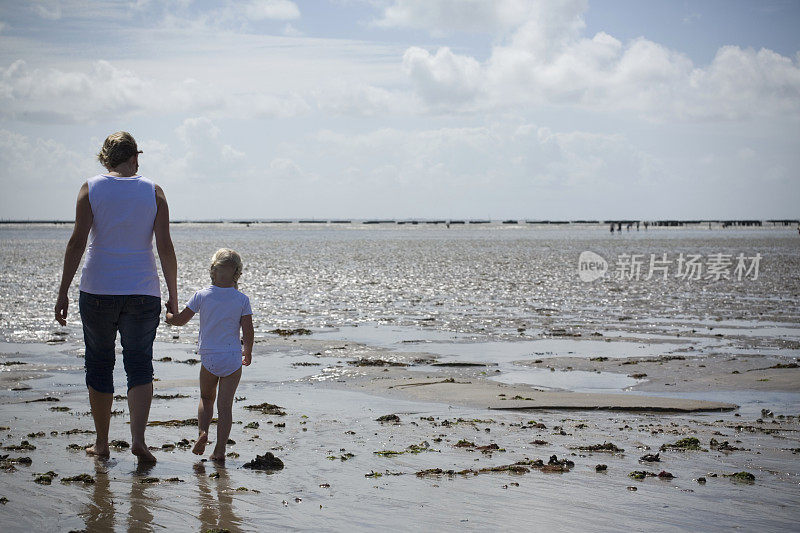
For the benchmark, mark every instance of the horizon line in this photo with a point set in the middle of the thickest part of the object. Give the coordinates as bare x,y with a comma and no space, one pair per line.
416,221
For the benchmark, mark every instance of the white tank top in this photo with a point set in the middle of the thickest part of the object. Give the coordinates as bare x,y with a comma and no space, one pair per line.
120,256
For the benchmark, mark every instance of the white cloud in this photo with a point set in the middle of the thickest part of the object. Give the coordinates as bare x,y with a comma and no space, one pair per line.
207,157
24,161
746,154
283,168
692,18
443,77
500,154
55,95
355,99
103,91
47,9
443,16
290,31
40,177
509,167
546,61
271,9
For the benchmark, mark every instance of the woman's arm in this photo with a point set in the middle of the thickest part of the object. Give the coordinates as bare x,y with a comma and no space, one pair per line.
166,251
247,338
75,248
181,318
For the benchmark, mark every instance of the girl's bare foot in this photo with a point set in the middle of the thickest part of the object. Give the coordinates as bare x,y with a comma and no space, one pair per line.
200,445
143,453
99,450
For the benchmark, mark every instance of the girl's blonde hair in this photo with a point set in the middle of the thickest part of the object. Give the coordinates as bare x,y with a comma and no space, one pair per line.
117,148
225,257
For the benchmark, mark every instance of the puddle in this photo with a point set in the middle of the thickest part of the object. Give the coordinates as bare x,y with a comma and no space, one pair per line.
574,380
503,351
750,402
389,336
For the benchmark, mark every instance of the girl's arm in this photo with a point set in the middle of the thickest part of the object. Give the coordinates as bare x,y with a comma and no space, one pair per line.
181,318
74,252
247,339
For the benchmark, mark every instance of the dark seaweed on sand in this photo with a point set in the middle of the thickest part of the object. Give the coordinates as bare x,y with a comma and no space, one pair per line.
264,462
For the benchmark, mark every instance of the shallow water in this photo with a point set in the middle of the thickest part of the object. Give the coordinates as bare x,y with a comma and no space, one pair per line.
486,279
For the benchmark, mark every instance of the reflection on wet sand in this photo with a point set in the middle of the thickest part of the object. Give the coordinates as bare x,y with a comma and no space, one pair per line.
100,511
140,517
216,511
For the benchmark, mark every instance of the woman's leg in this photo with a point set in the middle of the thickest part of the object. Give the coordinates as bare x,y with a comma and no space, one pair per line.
205,411
138,320
139,399
99,315
100,403
227,391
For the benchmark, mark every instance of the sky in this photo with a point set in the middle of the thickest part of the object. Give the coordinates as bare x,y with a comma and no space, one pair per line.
274,109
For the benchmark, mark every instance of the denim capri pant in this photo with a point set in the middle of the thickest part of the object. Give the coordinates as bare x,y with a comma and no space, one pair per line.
136,317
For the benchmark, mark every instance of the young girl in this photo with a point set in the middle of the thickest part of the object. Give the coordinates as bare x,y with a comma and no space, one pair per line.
223,311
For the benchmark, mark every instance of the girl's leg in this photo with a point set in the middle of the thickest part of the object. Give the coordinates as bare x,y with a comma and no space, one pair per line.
227,391
205,411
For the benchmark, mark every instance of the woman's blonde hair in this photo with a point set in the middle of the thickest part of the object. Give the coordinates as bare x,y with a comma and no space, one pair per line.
225,257
117,148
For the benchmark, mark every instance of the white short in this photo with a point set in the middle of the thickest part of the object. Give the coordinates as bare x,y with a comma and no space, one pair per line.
222,364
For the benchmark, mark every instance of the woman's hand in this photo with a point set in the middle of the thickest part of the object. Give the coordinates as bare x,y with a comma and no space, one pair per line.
247,358
62,304
172,305
170,314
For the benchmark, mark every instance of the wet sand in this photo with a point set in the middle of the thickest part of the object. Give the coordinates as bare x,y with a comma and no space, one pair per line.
457,455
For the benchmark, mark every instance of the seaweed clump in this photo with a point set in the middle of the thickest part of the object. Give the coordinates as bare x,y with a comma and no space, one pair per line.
264,462
289,332
173,423
688,443
45,479
267,409
742,477
22,446
374,362
80,478
605,447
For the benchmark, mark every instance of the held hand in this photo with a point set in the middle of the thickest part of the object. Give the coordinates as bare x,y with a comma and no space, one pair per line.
170,314
62,304
172,305
247,359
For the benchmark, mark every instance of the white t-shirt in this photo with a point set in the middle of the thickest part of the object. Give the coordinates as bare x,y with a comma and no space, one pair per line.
221,309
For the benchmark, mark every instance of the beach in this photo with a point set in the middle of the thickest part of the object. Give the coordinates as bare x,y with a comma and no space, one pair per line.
429,378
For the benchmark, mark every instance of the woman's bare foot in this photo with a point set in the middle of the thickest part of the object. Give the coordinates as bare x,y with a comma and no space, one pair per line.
99,450
143,453
200,445
218,457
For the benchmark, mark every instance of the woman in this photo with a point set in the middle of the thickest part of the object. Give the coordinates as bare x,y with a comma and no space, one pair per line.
119,291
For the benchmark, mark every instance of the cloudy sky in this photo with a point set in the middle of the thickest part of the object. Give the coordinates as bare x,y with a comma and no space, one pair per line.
409,108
